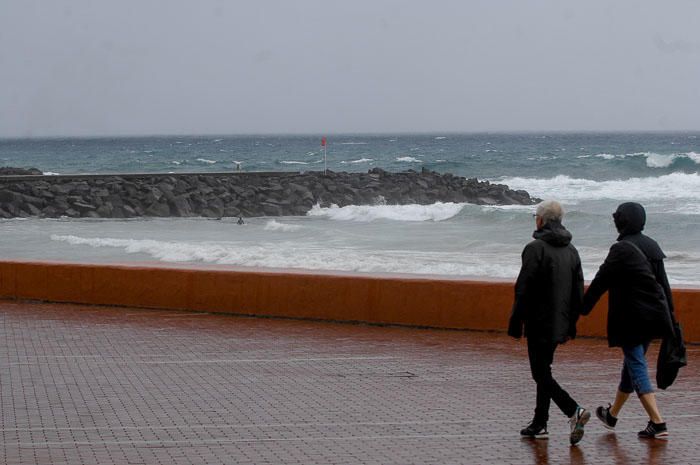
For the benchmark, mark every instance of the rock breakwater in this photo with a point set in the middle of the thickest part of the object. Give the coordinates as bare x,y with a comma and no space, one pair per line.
237,194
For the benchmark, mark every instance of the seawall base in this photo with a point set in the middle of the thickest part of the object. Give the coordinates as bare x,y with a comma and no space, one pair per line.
419,301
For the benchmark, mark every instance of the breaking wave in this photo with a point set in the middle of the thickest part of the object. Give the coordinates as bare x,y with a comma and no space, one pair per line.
364,213
683,187
361,160
274,225
653,160
296,255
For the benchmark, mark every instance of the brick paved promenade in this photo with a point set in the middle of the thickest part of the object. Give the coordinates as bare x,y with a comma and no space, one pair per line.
97,385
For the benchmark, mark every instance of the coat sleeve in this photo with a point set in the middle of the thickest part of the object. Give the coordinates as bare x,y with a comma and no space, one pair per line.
523,288
576,298
603,279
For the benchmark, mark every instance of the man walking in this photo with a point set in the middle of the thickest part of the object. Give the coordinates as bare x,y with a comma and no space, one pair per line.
548,300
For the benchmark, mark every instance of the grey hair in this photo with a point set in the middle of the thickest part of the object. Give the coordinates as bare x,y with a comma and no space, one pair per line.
550,210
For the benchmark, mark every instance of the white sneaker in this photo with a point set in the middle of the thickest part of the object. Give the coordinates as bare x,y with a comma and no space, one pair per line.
576,422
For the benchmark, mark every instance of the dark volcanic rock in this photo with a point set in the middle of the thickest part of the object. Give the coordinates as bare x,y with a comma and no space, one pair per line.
237,194
9,171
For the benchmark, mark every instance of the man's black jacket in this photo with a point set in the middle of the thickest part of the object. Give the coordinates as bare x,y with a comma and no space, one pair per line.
549,289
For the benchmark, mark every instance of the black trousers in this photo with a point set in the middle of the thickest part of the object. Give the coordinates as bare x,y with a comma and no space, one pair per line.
541,355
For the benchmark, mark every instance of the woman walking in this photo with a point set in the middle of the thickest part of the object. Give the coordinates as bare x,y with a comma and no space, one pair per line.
639,310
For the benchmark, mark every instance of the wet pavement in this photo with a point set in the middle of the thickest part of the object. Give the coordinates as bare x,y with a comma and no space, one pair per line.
102,385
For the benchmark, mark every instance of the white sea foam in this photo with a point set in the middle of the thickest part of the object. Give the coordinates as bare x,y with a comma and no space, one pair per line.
657,160
361,160
363,213
310,256
274,225
293,162
487,208
480,260
353,143
50,173
175,162
204,160
680,186
217,140
409,159
440,138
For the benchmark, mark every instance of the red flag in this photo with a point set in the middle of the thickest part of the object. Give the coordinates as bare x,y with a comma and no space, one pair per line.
323,141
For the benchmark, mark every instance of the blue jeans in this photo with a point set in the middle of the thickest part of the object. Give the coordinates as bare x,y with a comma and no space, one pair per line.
635,373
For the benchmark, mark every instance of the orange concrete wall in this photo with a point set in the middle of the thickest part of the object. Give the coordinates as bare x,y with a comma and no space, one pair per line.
415,301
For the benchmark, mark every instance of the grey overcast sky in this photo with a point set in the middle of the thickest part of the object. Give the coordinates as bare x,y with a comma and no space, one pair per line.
130,67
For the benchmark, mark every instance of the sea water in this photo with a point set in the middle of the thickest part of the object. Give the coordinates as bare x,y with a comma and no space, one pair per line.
589,173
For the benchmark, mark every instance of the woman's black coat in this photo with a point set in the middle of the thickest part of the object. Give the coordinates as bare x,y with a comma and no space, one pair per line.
639,300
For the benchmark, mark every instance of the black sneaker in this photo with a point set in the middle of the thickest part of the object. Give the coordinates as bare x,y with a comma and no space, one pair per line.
654,431
576,421
535,431
604,415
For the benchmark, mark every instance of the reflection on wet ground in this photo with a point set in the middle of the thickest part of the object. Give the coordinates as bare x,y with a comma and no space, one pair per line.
94,385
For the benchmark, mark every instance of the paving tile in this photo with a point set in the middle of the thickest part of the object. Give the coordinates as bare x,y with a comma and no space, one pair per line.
102,385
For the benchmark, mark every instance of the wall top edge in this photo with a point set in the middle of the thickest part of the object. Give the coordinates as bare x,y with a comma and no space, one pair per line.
279,271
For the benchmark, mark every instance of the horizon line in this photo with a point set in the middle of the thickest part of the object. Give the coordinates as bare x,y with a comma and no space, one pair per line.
378,133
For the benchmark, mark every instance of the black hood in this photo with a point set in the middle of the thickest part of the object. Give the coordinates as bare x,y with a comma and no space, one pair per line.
553,233
629,219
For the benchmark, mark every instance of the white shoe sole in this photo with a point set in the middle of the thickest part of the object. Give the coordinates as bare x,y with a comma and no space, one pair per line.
577,429
605,423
